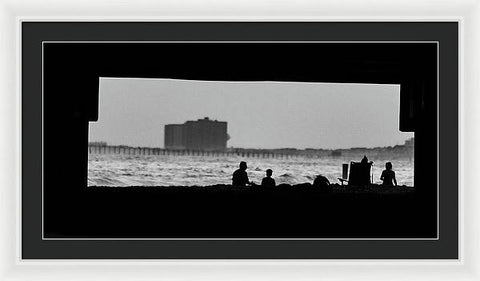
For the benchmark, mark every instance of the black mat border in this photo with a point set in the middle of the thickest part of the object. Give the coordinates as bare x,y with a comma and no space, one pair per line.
34,33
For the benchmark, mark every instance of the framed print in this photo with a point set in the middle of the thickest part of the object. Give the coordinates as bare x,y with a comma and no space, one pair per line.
314,111
322,144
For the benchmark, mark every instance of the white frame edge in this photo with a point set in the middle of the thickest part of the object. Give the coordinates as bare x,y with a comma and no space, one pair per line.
464,11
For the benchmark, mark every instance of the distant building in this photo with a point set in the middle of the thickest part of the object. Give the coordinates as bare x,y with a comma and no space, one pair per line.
336,153
203,134
175,136
410,142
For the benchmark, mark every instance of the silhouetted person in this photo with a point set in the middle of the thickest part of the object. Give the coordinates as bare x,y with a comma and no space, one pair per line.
240,177
360,172
364,160
321,181
388,175
268,181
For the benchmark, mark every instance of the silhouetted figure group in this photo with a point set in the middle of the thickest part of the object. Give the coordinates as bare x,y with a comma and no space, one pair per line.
240,177
360,173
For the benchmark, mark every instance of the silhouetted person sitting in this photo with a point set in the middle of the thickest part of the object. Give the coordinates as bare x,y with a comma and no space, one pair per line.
240,177
321,181
268,181
360,172
388,175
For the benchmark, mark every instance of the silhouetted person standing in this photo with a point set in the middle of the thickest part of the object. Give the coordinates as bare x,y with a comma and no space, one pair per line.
240,177
388,175
268,181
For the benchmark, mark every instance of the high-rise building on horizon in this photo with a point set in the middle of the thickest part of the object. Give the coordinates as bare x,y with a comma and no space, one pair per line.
202,134
175,136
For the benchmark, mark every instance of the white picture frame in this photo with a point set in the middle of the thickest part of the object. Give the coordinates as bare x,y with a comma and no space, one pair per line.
467,13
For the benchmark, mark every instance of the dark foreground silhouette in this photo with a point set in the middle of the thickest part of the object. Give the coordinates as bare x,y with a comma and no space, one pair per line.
223,211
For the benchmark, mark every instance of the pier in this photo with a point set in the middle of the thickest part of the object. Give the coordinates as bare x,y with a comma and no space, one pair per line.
398,151
244,153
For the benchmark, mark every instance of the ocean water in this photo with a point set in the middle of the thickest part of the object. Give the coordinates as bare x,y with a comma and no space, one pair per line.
168,170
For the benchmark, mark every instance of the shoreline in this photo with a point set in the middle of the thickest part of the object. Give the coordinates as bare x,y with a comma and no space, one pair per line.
224,211
281,188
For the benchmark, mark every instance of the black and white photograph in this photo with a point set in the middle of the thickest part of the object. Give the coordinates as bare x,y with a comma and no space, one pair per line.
241,140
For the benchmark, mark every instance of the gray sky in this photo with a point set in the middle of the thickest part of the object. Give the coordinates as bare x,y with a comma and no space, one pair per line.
259,114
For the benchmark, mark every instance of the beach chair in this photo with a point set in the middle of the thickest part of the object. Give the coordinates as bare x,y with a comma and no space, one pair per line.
344,177
359,174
